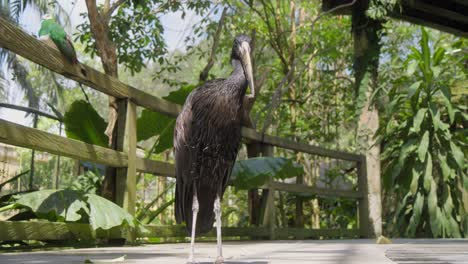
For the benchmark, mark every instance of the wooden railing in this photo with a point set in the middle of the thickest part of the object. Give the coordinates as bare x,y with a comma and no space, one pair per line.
21,43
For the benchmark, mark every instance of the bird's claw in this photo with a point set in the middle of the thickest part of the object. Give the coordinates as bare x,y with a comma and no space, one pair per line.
219,260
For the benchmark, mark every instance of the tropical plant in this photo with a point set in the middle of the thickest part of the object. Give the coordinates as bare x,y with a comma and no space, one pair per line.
423,133
255,172
88,182
72,206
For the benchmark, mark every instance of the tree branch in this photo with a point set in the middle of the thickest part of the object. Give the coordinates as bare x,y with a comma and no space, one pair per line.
275,99
209,65
112,8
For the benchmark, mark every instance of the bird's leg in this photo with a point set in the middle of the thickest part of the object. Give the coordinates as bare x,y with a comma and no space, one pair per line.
217,211
195,208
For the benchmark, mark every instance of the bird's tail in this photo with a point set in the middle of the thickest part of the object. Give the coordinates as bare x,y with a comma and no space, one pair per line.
205,217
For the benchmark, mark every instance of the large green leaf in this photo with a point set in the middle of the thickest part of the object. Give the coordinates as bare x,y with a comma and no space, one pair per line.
416,217
425,51
414,180
458,155
151,123
428,173
448,102
423,146
444,166
254,172
54,205
418,119
106,214
435,214
73,206
82,122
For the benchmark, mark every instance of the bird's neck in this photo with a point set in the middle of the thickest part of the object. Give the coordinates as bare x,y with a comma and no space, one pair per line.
237,76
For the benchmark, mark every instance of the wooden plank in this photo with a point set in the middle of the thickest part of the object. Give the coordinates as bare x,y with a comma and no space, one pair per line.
423,22
251,134
288,233
431,15
25,45
363,202
155,167
460,2
435,10
21,136
289,144
130,143
43,230
179,231
269,215
299,188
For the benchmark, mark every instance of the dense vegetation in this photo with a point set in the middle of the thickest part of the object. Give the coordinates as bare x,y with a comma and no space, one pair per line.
303,64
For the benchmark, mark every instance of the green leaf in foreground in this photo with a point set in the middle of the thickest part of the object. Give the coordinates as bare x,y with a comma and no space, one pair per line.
82,122
73,206
255,172
54,205
151,123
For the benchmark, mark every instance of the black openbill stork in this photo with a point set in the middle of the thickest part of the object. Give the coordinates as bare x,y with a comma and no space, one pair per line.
206,141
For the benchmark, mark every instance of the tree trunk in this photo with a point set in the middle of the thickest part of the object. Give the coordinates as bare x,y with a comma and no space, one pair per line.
99,23
366,54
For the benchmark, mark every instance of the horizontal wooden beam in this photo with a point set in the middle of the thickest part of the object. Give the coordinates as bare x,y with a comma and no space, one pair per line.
156,167
179,231
22,136
448,15
285,233
438,11
302,147
300,188
44,230
25,45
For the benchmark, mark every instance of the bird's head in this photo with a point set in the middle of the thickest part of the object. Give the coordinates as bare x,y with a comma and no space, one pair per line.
241,51
47,17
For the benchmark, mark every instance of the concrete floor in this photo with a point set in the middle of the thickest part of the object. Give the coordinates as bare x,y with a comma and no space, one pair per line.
278,252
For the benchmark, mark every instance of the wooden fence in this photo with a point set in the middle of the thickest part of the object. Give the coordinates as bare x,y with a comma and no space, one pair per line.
25,45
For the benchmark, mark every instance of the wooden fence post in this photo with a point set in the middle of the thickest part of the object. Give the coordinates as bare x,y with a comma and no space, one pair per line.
126,177
363,207
269,214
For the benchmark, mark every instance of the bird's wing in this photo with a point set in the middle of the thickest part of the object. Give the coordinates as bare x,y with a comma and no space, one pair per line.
183,154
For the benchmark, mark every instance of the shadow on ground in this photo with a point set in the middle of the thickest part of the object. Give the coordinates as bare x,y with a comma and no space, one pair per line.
239,262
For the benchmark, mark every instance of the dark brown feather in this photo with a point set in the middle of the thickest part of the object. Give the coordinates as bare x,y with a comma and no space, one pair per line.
206,140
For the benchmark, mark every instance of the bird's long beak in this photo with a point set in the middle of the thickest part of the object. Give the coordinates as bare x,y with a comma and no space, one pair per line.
247,65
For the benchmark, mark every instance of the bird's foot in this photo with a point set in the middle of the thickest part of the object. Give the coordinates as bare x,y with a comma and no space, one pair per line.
219,260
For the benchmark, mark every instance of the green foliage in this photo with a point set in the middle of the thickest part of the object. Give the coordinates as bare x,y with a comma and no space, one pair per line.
254,172
151,123
74,206
89,182
82,122
422,134
379,9
137,31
